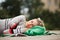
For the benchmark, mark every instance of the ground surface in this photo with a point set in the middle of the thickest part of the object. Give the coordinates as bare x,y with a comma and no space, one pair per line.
45,37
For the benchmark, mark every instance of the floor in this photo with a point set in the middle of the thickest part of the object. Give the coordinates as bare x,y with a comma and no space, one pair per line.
45,37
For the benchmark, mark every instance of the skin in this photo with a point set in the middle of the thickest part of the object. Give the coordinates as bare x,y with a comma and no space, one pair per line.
31,23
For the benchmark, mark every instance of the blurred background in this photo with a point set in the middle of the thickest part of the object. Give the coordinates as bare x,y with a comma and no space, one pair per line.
47,10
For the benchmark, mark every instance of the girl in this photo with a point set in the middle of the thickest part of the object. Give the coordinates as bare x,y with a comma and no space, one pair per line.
18,24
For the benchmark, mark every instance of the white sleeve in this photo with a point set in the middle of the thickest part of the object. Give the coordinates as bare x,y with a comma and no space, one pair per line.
19,19
19,30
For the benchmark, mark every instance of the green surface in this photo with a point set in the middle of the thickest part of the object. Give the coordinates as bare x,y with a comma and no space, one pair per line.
36,30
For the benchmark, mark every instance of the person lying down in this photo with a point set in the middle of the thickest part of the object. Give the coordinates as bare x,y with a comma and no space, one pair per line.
18,24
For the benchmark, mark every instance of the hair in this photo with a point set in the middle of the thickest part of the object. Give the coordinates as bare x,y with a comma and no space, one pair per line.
40,22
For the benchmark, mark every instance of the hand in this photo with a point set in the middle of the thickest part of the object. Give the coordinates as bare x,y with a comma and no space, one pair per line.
8,31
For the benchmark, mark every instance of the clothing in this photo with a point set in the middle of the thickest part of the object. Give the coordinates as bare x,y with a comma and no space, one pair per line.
12,23
4,24
36,30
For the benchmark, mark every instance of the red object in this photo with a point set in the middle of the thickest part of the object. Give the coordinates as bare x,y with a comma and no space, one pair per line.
14,26
10,31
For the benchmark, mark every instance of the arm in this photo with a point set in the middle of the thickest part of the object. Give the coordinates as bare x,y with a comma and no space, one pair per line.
7,31
19,30
14,23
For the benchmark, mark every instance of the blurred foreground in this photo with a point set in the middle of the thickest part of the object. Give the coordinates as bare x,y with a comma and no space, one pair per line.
45,37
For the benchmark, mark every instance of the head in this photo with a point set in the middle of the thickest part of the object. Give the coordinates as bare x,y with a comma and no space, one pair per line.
34,22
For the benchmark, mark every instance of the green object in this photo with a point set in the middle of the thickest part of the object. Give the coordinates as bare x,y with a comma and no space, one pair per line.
35,30
3,35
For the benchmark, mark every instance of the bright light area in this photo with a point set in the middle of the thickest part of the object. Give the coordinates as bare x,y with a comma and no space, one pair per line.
2,1
24,11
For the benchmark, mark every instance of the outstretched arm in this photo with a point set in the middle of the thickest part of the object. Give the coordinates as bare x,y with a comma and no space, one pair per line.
15,31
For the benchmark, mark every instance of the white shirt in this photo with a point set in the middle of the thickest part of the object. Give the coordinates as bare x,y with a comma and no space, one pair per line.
7,23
